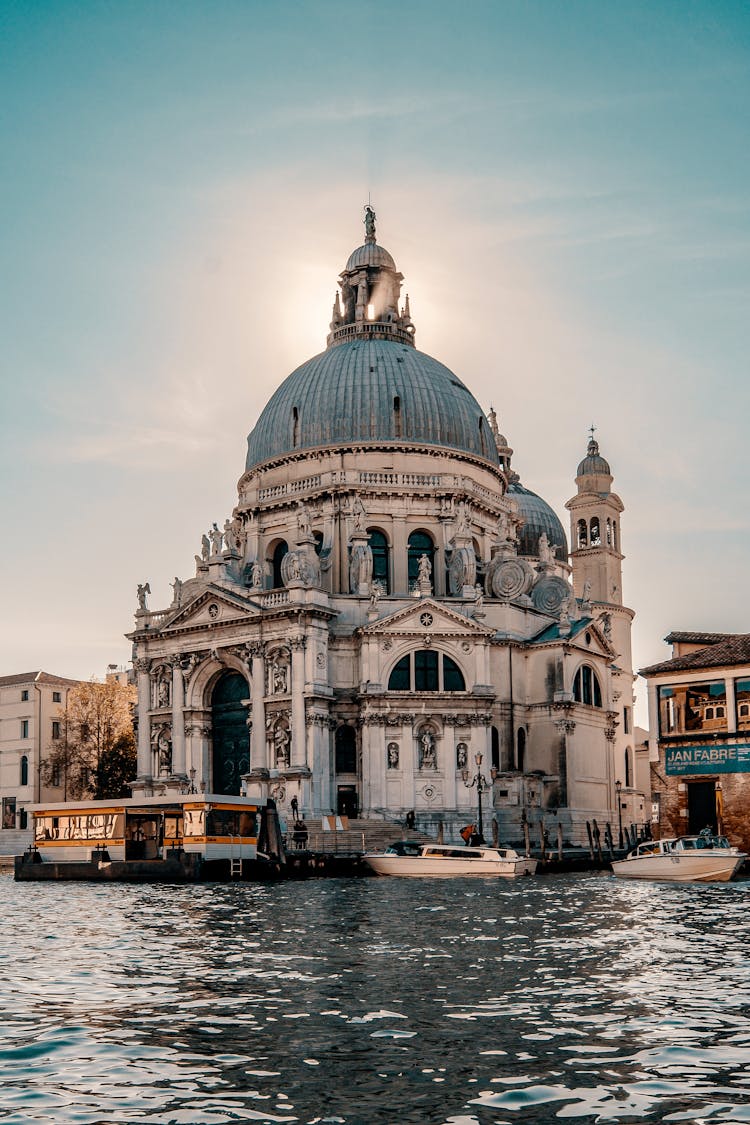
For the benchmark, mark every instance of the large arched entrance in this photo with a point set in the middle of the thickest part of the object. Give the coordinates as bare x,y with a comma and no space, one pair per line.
231,757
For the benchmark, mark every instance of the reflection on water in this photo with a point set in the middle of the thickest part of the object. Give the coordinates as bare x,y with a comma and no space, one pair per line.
376,1001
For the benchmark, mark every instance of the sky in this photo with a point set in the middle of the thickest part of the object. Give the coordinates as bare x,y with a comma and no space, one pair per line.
564,186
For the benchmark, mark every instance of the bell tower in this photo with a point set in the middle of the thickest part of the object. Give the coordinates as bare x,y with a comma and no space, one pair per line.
595,538
596,555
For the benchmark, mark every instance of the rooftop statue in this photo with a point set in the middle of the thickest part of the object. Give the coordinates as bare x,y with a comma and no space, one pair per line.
369,223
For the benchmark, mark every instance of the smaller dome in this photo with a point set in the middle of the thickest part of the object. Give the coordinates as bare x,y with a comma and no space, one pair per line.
593,464
370,254
538,518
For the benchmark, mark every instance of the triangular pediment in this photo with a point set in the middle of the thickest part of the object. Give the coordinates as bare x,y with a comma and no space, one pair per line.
212,606
599,643
427,614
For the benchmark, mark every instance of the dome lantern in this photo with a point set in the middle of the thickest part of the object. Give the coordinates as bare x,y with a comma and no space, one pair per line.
370,288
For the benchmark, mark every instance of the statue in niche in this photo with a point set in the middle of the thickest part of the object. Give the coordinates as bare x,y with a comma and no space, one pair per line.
587,590
392,755
164,750
205,548
143,589
462,756
425,569
303,521
217,538
463,519
256,574
358,513
162,693
427,759
176,592
278,678
281,739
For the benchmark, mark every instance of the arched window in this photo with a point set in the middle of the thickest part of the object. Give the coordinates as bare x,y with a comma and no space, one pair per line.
614,534
318,537
595,536
520,749
609,532
380,567
586,687
24,770
295,427
396,416
583,534
481,436
420,543
279,551
426,670
709,712
628,774
346,750
495,734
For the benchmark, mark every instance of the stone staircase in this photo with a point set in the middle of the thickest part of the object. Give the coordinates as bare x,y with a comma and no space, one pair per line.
360,836
13,842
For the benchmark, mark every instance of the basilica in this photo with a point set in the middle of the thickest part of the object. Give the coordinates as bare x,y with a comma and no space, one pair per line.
388,620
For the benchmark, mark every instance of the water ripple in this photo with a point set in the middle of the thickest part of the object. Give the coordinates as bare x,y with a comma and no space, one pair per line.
339,1002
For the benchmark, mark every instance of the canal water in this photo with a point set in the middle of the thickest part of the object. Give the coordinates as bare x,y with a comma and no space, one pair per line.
369,1001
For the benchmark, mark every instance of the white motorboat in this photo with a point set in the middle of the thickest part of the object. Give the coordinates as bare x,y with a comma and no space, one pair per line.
410,858
685,859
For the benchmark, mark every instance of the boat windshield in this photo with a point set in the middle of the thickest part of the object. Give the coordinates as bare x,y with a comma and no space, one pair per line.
404,847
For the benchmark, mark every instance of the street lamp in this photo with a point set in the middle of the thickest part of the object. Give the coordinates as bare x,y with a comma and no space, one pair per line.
618,788
719,797
192,780
482,785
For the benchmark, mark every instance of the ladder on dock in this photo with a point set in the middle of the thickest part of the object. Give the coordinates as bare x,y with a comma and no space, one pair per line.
235,861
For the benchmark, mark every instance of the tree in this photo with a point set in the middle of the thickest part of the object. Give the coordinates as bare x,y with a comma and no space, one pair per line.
95,753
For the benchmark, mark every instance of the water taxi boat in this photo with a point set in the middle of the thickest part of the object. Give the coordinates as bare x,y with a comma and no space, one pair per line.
412,859
183,838
685,859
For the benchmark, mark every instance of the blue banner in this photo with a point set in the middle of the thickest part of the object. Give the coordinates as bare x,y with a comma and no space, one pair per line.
707,759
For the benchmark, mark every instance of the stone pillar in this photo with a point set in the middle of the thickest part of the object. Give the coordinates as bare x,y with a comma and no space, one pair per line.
142,668
258,741
299,733
565,727
178,719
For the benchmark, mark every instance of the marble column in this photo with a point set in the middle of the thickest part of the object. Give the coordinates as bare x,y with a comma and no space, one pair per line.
178,719
258,742
299,733
142,668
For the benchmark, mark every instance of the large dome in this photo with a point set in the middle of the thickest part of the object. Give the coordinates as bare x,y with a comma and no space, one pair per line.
538,518
371,391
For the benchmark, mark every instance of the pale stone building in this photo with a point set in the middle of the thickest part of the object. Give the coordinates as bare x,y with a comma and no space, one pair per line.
699,717
30,716
387,601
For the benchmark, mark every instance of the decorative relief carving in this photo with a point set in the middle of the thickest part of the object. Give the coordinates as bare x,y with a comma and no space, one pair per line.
462,570
392,755
549,594
565,726
508,579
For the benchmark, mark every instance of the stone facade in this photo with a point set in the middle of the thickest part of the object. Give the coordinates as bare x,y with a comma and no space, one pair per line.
30,703
699,716
386,603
